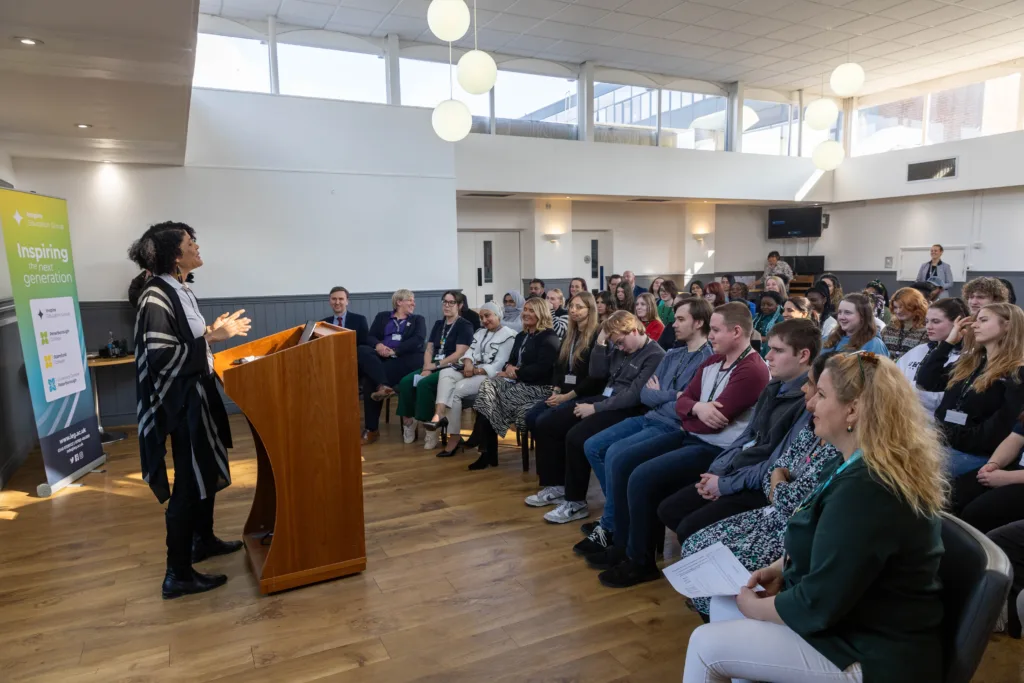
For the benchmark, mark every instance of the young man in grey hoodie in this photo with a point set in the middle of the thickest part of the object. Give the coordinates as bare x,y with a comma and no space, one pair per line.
660,427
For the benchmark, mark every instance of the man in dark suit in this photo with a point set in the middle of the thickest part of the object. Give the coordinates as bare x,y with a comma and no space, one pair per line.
345,318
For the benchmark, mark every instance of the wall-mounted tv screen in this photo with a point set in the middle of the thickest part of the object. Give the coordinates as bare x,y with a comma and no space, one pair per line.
804,221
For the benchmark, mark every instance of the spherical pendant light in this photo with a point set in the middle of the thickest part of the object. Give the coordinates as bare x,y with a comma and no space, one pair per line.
828,155
847,79
477,72
448,19
821,114
451,120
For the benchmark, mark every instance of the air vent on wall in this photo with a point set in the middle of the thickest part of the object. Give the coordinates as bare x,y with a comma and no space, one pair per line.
497,195
931,170
651,200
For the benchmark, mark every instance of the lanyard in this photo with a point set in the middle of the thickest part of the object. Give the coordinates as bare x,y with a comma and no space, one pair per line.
967,385
483,345
522,347
719,376
625,360
399,324
824,485
572,351
684,365
445,331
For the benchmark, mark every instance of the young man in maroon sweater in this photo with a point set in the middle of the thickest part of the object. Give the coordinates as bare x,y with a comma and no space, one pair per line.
714,410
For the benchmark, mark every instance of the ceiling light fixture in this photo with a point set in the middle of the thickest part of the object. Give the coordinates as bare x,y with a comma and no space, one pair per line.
477,71
828,155
448,19
83,125
28,41
451,118
848,78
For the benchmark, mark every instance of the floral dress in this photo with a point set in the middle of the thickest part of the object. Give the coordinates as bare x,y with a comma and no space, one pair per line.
756,537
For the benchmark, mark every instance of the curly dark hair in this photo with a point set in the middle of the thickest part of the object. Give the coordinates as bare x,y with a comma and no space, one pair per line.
159,247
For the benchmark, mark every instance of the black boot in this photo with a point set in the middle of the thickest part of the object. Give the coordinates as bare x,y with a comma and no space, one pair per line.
488,447
474,437
212,547
178,583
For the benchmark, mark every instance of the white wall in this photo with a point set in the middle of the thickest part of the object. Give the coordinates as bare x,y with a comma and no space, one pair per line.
861,235
289,196
6,173
501,163
983,163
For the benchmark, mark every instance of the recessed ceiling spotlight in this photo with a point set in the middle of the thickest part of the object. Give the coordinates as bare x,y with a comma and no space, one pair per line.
28,41
83,125
106,161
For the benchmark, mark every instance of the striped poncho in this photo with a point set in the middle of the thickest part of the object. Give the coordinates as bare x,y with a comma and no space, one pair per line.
177,394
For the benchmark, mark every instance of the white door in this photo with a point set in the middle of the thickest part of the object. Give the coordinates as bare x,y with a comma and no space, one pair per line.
488,265
592,256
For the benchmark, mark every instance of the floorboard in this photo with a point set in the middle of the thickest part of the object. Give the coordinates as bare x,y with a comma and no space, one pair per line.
463,583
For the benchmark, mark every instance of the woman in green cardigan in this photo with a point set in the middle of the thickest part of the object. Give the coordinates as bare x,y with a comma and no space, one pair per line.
856,597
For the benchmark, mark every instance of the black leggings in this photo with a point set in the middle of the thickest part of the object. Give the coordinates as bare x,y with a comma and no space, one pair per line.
986,508
187,514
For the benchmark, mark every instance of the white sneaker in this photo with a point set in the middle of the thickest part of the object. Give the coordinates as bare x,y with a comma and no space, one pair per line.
409,432
552,495
567,511
430,440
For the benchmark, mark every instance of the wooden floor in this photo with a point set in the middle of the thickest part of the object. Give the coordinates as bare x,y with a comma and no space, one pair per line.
464,583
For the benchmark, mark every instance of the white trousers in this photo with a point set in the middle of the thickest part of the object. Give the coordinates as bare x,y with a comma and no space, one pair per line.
452,389
734,647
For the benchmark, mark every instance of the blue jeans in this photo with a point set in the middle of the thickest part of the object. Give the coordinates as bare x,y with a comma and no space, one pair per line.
651,482
630,433
962,463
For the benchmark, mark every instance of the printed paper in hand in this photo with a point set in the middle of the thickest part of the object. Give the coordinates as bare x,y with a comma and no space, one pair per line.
416,379
712,571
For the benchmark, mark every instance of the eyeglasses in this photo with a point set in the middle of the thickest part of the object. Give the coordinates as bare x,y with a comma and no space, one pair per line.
448,302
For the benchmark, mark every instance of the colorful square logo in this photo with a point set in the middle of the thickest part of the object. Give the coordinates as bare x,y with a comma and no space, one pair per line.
48,360
51,384
44,338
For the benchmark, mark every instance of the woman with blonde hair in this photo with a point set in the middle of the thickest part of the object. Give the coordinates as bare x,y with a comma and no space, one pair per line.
983,390
907,328
856,595
504,400
647,312
559,316
776,284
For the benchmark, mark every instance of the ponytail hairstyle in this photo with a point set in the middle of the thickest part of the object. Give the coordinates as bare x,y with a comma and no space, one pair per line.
899,441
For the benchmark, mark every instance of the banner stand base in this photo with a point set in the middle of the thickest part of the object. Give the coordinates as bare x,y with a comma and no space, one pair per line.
45,490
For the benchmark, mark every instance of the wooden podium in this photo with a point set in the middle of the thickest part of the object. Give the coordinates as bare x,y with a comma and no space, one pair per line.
301,400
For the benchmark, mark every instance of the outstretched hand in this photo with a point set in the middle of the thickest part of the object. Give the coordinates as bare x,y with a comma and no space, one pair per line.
227,326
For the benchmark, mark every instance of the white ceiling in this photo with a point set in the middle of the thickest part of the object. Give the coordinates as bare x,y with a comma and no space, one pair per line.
779,44
123,66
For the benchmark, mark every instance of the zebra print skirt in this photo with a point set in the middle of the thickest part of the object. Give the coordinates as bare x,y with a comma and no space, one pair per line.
505,403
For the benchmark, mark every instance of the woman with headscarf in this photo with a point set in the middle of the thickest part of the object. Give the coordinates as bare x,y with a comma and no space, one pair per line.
769,313
513,317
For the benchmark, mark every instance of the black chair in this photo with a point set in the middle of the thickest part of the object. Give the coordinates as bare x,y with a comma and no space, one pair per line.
976,577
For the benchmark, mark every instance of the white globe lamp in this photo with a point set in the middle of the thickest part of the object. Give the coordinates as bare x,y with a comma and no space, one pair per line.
821,114
448,19
477,72
451,120
828,155
847,79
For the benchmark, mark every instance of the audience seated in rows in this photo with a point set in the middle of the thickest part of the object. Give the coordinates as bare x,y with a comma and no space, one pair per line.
714,409
983,391
559,316
448,342
646,310
660,427
504,400
791,472
622,361
939,321
770,313
344,318
485,358
857,590
907,328
394,348
856,328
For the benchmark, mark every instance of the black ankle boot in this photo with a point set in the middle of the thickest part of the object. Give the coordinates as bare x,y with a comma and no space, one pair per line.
474,437
484,461
488,449
212,547
178,583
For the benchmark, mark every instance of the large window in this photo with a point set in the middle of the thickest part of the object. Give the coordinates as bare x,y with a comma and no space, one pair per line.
812,138
625,113
426,84
231,63
535,106
332,74
766,128
692,120
971,111
887,127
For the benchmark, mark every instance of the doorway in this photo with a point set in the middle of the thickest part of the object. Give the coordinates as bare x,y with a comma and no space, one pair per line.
592,256
489,266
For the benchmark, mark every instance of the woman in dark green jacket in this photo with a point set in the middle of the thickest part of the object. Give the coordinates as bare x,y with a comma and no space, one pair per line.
856,596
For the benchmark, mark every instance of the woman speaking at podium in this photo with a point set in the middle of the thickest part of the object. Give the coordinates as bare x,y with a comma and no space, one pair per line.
178,398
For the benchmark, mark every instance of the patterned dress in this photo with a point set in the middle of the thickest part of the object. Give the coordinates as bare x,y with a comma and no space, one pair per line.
506,403
756,537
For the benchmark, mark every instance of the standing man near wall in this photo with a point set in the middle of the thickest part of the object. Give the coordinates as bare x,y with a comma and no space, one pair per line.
629,277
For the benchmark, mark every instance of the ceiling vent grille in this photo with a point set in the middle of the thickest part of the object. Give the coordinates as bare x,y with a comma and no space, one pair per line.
931,170
493,195
650,200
